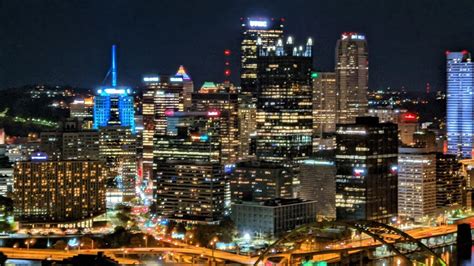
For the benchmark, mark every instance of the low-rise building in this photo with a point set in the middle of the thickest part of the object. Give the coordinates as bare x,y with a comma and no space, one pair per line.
273,217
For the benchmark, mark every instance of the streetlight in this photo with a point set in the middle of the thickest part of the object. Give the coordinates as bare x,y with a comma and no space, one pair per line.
213,245
146,240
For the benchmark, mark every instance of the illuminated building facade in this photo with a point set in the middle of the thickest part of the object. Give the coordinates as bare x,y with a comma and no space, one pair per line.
460,114
366,176
117,148
284,102
188,87
352,76
416,183
189,179
58,193
161,94
267,32
113,105
260,181
222,97
83,108
324,102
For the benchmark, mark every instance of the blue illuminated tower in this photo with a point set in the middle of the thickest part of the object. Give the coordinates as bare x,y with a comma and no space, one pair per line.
113,105
460,98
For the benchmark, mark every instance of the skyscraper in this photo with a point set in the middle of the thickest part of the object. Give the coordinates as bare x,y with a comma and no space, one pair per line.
366,180
162,94
324,103
113,105
188,87
284,102
460,103
416,182
352,72
267,32
222,97
188,173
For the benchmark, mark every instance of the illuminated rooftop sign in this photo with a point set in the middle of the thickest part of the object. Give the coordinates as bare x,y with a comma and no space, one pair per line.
176,79
39,156
353,36
258,23
151,79
213,113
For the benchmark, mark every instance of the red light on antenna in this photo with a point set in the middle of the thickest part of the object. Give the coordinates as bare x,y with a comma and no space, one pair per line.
227,63
447,52
227,72
464,52
227,52
282,19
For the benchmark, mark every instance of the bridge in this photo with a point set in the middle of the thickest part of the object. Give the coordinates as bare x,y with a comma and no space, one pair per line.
342,241
319,241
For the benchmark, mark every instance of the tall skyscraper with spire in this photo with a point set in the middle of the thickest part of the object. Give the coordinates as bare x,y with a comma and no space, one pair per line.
352,75
284,102
460,103
113,105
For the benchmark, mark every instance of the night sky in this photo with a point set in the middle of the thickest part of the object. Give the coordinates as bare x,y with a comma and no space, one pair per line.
67,42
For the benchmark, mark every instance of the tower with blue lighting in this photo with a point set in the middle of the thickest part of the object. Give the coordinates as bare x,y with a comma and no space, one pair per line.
113,105
460,100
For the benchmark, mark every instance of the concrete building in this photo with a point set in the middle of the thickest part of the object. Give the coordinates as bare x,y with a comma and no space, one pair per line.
273,217
260,181
318,183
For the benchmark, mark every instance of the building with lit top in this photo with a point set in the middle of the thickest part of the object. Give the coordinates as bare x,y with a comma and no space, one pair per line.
113,105
366,176
188,175
460,103
264,30
64,194
162,93
284,102
352,76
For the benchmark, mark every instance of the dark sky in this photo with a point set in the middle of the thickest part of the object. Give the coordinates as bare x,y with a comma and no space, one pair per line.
68,41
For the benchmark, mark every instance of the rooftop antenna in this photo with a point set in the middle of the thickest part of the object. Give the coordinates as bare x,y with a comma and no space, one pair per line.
114,67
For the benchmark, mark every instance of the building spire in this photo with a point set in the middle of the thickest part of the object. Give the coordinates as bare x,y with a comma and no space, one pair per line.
182,73
113,69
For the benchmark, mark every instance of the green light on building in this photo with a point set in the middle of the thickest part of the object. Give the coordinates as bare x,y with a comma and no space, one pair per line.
314,75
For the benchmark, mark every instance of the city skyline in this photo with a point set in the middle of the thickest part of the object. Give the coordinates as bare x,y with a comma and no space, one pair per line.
150,43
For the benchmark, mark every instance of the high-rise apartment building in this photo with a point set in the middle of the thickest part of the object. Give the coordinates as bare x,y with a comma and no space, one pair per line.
460,103
266,32
58,193
366,177
416,183
284,102
113,105
352,73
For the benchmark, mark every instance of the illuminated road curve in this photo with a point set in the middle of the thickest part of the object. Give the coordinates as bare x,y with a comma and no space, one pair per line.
118,254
